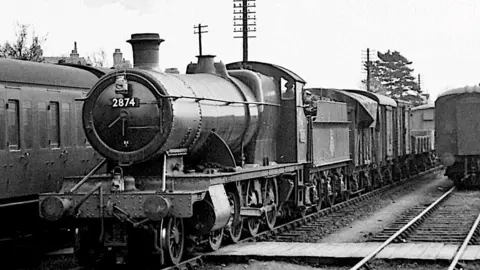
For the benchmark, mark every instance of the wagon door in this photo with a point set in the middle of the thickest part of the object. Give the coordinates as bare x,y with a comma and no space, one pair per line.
468,128
17,172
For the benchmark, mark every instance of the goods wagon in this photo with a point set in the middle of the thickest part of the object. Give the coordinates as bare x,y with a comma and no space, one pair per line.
361,117
423,134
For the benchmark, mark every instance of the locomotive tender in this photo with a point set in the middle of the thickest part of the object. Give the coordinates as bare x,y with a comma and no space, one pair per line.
41,137
456,134
202,157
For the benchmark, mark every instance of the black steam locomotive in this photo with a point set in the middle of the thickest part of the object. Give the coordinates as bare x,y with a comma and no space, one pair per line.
199,158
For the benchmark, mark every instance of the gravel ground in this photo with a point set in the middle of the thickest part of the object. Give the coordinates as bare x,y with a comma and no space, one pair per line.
357,223
377,265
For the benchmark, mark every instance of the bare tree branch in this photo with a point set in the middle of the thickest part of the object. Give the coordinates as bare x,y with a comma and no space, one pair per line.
98,59
21,49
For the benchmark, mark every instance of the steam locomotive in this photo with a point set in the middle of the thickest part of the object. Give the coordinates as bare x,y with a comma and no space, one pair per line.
219,152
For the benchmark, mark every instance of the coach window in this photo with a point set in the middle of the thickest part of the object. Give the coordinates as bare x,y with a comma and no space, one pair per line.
53,113
2,124
42,124
13,125
27,124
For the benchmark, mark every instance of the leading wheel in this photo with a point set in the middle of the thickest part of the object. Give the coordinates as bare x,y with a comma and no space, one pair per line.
174,239
215,239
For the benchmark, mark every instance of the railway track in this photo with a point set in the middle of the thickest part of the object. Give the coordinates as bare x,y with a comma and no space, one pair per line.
286,231
453,218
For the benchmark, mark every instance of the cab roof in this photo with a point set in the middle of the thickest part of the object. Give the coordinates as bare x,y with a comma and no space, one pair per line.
290,73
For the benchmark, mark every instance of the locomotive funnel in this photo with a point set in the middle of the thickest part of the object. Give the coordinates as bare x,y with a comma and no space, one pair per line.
145,50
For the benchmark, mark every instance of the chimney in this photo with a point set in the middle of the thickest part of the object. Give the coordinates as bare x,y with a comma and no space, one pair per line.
205,64
74,51
117,57
145,50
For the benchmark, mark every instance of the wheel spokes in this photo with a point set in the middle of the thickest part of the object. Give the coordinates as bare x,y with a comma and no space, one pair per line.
271,200
175,240
235,224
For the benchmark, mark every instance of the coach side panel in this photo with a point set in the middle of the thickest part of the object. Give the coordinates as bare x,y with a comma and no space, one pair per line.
41,140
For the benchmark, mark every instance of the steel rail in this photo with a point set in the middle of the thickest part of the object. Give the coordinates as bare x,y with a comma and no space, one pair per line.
403,229
464,245
199,259
291,225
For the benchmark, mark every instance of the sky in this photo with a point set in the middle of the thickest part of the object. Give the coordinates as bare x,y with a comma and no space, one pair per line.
323,41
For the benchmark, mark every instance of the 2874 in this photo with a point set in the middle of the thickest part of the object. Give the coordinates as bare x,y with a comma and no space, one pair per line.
125,102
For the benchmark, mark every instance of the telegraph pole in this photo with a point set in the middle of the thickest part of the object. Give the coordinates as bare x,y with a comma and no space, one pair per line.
367,67
243,8
199,32
419,82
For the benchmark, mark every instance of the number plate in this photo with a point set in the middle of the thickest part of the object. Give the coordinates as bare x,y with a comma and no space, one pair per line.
125,102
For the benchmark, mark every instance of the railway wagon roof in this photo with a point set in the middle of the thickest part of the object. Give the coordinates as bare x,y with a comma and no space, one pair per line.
381,99
461,90
27,72
285,70
423,107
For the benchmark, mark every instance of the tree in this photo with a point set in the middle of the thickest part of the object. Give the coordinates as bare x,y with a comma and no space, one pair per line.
98,59
22,49
391,75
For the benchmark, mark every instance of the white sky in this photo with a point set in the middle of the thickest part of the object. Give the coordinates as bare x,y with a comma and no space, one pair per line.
321,40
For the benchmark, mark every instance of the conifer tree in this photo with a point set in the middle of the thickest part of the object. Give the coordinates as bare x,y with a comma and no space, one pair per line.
391,75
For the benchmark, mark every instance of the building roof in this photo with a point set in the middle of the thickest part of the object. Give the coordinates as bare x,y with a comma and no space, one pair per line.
66,59
27,72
